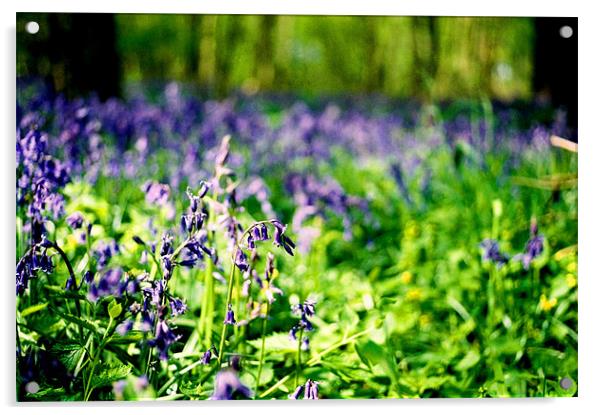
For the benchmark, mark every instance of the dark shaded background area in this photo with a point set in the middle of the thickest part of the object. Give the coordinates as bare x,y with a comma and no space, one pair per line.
424,58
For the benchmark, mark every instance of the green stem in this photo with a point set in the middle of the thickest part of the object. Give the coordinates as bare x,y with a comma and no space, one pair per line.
205,303
316,359
298,369
72,276
225,326
262,353
88,389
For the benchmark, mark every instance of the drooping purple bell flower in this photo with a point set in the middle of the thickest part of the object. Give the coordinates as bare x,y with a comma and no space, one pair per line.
228,387
75,220
177,306
491,252
164,338
296,393
240,260
311,390
230,316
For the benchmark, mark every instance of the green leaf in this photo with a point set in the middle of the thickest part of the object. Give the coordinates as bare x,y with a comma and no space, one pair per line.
375,354
278,342
267,374
76,320
469,360
33,309
109,374
114,309
69,354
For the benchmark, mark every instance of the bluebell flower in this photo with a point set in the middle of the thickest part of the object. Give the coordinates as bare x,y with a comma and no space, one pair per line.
311,390
228,386
154,293
177,306
206,359
264,232
296,393
156,193
292,334
167,267
109,284
105,251
305,310
203,190
280,239
534,246
88,277
188,262
194,200
141,383
70,284
250,242
138,240
164,338
166,245
75,220
240,260
491,252
305,344
230,316
123,328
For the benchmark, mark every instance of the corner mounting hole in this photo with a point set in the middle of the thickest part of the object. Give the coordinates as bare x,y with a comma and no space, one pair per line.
566,31
566,383
32,27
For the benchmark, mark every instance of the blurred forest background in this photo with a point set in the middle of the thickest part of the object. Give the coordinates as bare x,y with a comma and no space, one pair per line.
422,58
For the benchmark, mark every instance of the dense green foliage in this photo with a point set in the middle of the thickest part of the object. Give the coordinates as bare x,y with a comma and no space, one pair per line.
406,304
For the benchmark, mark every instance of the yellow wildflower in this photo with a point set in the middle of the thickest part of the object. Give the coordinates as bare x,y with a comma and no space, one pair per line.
545,304
571,267
571,281
406,277
414,294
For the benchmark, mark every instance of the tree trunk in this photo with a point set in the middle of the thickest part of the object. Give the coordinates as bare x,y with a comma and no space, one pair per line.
555,65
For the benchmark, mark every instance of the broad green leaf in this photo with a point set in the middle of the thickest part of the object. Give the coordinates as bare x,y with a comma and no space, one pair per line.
109,374
469,360
69,354
278,342
77,320
114,309
33,309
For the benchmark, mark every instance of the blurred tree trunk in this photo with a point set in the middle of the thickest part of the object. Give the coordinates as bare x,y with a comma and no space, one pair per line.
82,51
207,52
229,36
264,52
192,61
555,65
375,68
425,53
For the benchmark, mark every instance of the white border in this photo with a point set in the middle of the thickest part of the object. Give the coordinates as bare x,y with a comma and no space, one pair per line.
590,368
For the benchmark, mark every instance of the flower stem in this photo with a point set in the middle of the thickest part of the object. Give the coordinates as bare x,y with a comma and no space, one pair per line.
225,326
205,323
65,259
298,371
262,353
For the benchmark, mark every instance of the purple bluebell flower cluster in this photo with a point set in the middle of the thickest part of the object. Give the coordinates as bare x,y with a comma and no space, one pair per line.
534,246
228,386
304,311
156,193
104,251
39,179
491,252
113,282
36,259
309,390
